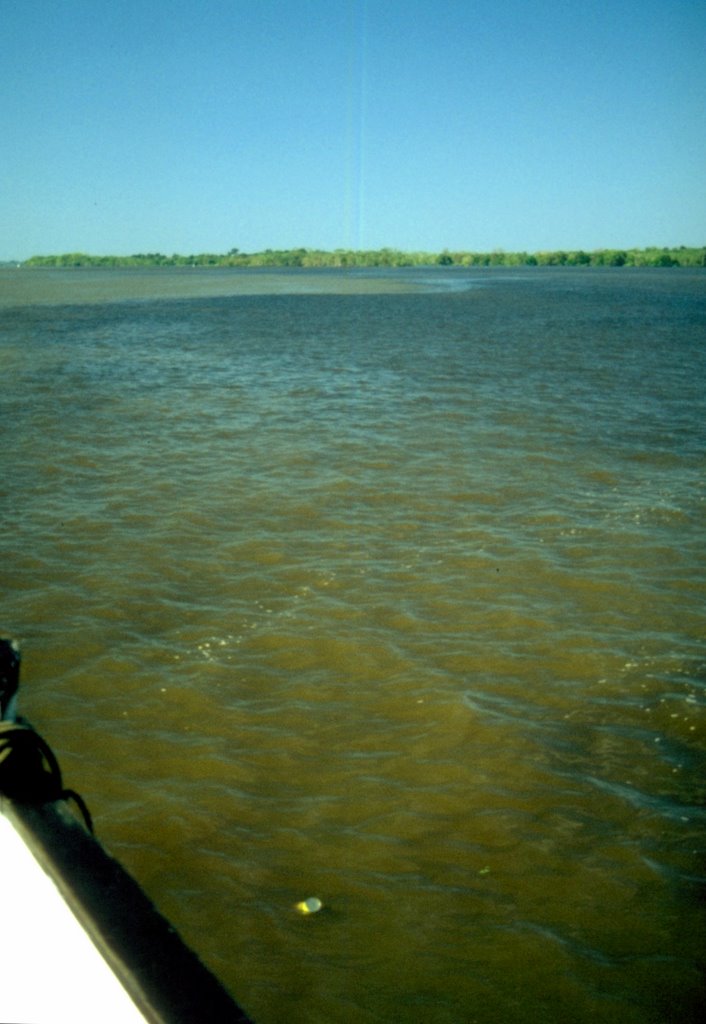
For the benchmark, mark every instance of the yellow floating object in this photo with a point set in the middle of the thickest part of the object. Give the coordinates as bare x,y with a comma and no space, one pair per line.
309,906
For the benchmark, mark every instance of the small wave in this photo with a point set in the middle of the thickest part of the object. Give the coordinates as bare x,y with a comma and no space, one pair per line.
639,799
507,709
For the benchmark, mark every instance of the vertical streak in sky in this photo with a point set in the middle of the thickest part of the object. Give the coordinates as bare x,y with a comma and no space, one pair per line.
355,155
363,40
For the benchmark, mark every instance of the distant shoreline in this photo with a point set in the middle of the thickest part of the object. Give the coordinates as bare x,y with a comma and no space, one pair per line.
683,256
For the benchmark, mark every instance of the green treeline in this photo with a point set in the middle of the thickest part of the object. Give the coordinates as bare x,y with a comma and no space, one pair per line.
654,257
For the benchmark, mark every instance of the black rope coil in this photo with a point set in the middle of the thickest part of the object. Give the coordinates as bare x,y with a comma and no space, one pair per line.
29,771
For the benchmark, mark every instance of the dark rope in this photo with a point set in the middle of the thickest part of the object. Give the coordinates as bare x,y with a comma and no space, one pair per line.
29,771
9,674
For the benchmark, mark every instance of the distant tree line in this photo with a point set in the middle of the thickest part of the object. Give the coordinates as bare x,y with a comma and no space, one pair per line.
653,257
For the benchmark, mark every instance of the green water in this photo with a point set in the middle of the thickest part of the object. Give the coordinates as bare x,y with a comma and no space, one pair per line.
383,588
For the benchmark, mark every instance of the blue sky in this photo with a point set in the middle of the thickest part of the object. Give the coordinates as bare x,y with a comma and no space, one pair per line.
203,125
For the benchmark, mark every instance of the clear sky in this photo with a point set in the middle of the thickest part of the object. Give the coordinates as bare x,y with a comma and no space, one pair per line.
205,125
